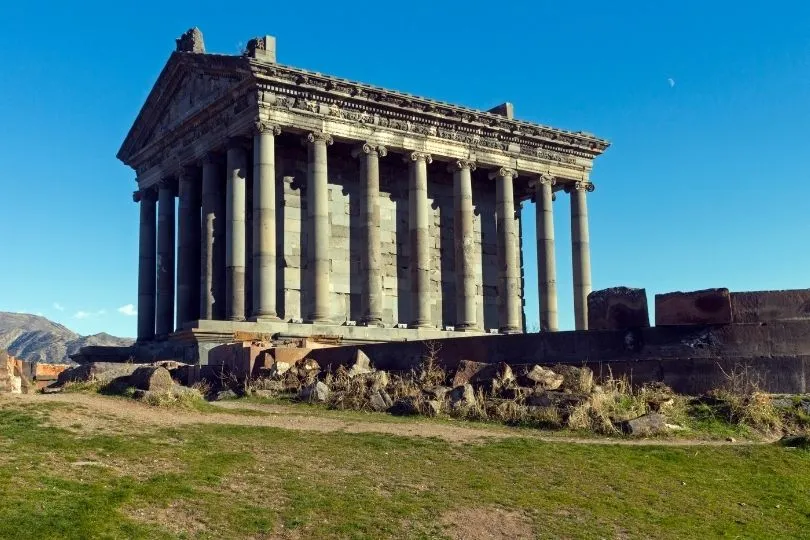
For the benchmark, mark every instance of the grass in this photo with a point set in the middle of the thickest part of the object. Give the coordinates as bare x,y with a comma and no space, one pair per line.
217,481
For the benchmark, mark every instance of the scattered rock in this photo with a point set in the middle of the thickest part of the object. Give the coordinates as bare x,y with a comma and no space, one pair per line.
731,439
315,392
225,394
52,390
152,378
475,373
432,407
515,392
380,401
378,380
575,379
462,396
277,369
646,425
550,398
437,393
542,378
405,407
362,365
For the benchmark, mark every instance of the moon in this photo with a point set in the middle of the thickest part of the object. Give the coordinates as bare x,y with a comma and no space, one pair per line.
671,82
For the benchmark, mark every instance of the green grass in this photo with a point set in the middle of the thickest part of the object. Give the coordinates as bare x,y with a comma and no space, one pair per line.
216,481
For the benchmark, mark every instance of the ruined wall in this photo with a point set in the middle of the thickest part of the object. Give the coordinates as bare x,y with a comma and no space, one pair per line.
346,239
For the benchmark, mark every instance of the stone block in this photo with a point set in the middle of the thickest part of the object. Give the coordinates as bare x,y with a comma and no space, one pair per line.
292,278
618,308
709,306
289,355
769,306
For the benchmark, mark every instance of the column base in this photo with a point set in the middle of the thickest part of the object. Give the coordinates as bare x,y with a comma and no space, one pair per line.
264,318
319,321
376,323
467,328
417,324
509,330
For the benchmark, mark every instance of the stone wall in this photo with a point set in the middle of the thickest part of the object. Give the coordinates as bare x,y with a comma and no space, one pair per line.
346,238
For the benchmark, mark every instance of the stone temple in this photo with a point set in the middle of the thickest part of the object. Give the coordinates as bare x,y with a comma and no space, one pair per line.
279,201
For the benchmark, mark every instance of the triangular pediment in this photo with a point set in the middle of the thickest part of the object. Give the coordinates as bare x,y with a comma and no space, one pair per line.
188,84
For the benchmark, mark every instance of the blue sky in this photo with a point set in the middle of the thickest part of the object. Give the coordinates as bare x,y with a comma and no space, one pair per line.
705,184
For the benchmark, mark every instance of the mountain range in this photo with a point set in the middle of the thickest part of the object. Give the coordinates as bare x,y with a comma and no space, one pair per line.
37,339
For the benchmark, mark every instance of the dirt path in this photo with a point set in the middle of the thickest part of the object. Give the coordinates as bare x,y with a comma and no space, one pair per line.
95,412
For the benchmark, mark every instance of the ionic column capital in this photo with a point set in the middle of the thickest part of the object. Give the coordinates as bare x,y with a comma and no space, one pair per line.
503,172
319,136
369,148
460,164
419,156
546,180
579,186
213,158
262,126
170,183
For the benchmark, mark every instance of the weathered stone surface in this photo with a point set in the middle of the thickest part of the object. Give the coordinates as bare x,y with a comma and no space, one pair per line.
618,308
405,407
225,394
644,426
710,306
542,378
152,378
278,369
380,401
575,379
768,306
378,380
315,392
461,396
104,372
436,392
474,372
431,407
361,366
549,398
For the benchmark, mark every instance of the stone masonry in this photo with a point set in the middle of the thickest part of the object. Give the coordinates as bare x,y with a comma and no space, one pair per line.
300,198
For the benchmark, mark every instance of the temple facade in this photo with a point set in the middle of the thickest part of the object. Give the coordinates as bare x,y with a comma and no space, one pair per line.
274,199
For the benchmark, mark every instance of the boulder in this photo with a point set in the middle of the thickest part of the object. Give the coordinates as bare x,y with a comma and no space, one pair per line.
478,373
437,393
618,308
431,407
225,394
709,306
378,380
152,378
277,369
361,366
406,406
548,398
646,425
462,396
515,392
317,392
575,379
541,377
307,367
380,401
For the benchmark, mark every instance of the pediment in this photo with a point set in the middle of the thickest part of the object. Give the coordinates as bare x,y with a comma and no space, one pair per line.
184,88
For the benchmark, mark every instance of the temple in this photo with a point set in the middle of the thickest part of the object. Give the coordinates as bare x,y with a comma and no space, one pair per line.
278,201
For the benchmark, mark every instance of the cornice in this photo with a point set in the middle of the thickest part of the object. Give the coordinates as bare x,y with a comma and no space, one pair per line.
296,88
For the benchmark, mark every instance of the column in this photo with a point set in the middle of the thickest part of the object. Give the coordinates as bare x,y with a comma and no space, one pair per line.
465,244
546,261
212,274
419,228
264,222
318,205
580,251
147,244
508,263
370,258
236,177
188,261
164,323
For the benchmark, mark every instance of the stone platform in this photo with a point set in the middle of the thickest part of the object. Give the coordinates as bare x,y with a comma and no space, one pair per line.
192,343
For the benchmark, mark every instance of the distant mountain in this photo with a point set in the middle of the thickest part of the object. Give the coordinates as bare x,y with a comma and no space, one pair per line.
37,339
